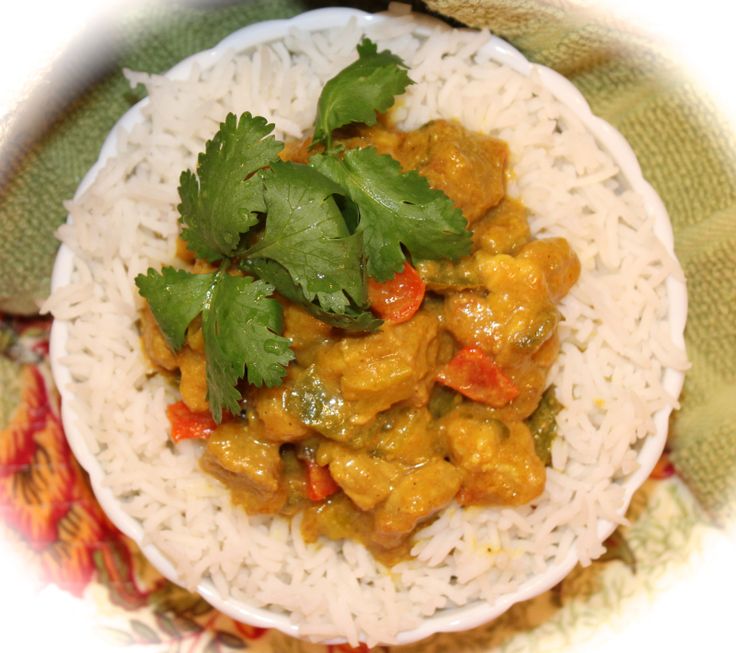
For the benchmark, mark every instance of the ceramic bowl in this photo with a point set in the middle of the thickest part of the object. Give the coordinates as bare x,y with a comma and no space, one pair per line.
451,619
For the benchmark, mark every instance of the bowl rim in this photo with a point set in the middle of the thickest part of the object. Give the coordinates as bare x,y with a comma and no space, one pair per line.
449,619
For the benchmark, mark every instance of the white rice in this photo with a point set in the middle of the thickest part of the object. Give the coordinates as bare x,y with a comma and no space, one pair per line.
608,376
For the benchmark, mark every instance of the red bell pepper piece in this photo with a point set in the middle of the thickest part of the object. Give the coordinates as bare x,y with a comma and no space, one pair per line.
475,374
397,299
186,424
320,483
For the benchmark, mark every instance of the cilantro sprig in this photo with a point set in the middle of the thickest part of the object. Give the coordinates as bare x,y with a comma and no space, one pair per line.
396,209
222,201
309,232
306,233
360,90
241,322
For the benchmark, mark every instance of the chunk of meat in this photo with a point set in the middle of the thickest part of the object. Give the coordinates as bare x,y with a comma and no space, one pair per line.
275,422
469,317
515,317
379,370
190,361
529,376
249,466
367,480
408,437
558,262
469,167
233,448
500,463
293,483
520,300
337,518
305,331
417,496
193,381
503,230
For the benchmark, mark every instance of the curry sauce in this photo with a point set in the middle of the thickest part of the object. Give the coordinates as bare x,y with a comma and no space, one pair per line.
371,435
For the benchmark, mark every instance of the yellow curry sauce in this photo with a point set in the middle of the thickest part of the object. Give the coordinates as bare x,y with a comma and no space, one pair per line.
364,436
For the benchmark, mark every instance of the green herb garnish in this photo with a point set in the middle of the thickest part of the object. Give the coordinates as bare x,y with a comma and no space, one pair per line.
350,319
396,209
222,201
309,232
306,233
241,324
543,424
360,90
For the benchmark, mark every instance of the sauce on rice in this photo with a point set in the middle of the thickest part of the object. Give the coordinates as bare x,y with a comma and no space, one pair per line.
371,435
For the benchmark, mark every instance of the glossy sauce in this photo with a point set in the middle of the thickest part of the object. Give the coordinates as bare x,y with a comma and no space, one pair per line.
399,445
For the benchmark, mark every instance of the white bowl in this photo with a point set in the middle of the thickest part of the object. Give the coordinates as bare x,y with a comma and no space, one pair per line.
453,619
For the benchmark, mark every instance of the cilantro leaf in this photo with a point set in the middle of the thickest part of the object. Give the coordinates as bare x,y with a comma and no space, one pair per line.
349,318
306,233
359,90
220,202
241,326
326,224
396,209
176,298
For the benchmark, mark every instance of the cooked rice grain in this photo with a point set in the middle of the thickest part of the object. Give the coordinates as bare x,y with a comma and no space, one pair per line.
608,376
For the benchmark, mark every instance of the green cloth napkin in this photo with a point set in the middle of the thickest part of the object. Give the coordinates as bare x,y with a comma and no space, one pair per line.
686,150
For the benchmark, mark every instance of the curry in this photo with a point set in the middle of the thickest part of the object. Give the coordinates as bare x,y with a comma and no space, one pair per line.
370,435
